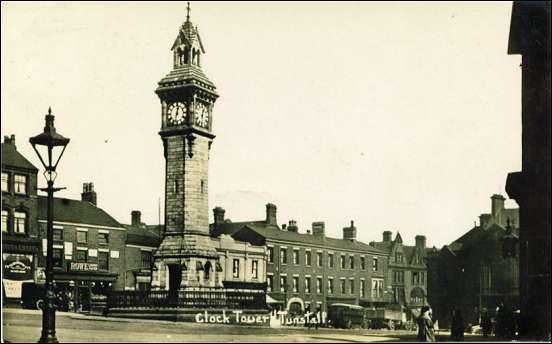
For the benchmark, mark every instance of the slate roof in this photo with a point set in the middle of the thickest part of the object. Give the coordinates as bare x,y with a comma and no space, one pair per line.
144,235
272,232
75,211
11,157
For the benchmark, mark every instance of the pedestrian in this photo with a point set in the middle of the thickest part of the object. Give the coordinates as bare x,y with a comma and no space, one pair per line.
485,322
317,318
425,326
457,326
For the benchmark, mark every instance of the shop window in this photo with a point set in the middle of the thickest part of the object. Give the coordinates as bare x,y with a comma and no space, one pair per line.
20,221
82,237
143,286
81,256
20,184
255,269
57,254
5,182
58,234
103,238
103,260
5,216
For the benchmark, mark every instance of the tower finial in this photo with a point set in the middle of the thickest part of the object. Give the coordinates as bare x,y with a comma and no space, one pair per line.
49,110
188,11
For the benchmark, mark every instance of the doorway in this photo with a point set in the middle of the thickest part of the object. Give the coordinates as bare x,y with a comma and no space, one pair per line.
175,277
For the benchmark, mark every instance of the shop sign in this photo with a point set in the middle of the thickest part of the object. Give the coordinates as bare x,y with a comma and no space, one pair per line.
17,267
75,266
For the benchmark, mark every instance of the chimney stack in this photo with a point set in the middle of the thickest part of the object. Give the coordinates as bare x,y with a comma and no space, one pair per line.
136,218
420,241
497,205
292,227
484,220
88,194
271,214
10,140
387,236
349,233
318,229
218,214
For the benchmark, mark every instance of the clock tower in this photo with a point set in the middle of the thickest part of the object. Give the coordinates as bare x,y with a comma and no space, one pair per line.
187,97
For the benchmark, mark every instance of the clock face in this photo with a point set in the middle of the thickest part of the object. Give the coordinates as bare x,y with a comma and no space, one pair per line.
202,115
176,113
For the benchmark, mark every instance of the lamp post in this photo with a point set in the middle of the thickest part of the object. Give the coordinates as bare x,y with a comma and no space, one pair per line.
52,146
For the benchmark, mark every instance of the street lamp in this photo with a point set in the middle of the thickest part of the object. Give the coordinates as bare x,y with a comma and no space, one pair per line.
52,146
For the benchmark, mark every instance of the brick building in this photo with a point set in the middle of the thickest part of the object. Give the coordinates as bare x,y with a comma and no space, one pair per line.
141,242
20,237
474,272
89,247
407,271
311,270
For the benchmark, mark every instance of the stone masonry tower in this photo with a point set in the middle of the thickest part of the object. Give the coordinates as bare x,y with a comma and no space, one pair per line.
187,98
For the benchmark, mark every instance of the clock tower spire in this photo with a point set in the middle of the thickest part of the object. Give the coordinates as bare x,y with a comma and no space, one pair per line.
187,98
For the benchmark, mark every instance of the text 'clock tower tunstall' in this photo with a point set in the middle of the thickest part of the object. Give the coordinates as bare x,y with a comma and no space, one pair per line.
187,98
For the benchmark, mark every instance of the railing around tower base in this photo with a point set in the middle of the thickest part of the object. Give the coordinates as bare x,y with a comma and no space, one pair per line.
218,298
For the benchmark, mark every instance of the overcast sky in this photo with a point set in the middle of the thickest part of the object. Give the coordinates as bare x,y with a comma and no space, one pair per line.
402,117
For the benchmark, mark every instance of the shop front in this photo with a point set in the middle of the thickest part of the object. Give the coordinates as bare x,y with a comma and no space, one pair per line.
18,267
82,282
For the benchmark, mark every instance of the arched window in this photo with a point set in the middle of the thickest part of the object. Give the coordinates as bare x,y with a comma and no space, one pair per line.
20,222
186,56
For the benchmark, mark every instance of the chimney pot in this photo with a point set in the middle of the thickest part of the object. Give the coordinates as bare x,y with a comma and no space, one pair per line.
387,236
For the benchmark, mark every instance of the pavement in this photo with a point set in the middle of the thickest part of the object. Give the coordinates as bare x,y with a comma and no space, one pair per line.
20,325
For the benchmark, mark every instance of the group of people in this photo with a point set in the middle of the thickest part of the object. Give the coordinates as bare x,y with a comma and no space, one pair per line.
505,326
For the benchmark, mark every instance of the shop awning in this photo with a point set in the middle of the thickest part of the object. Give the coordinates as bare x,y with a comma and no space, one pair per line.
270,300
74,276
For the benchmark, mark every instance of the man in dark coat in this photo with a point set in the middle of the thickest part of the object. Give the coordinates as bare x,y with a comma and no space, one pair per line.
425,326
485,322
457,326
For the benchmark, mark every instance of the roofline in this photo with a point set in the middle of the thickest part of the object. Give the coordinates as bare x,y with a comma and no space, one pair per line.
291,243
84,225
